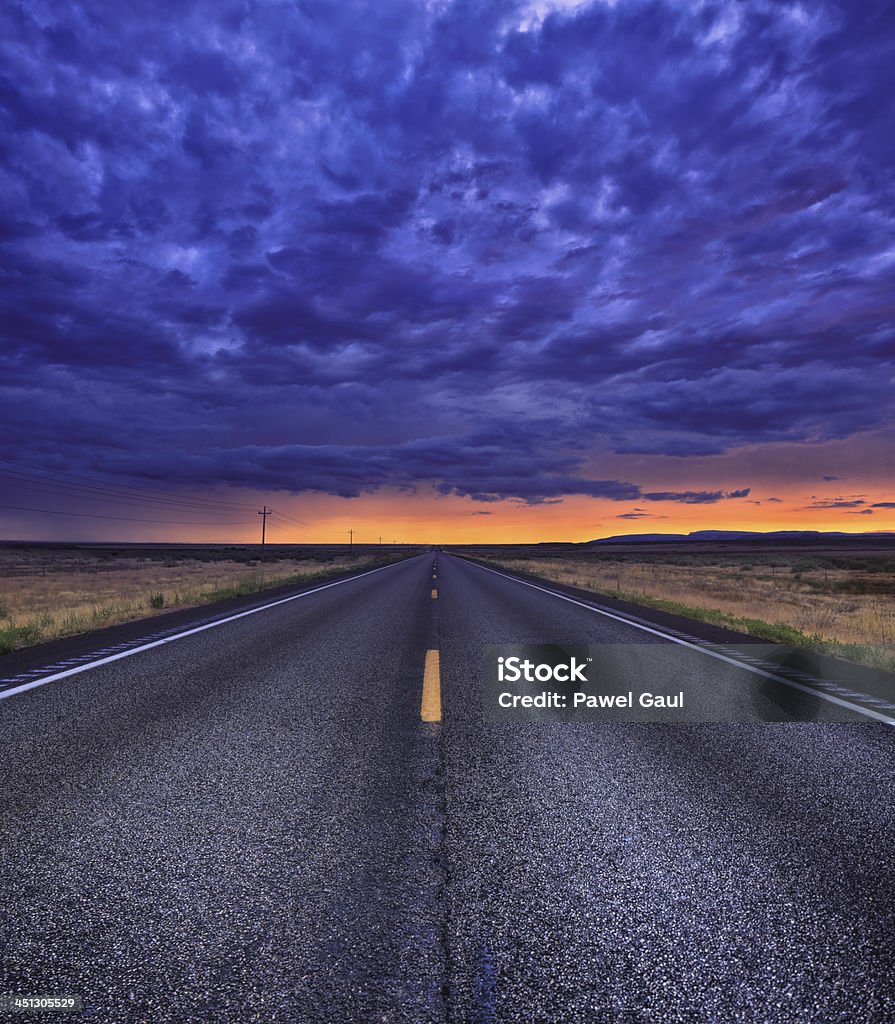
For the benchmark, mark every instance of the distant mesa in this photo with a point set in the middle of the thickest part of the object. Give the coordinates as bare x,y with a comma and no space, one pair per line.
722,535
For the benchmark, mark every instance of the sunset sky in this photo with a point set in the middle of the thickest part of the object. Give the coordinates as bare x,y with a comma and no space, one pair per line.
446,271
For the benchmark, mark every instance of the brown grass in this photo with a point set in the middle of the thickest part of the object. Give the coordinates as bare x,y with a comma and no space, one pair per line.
742,593
844,606
45,595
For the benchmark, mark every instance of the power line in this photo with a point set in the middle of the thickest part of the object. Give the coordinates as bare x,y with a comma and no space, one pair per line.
276,518
283,525
122,495
293,519
130,491
86,492
302,524
75,484
124,519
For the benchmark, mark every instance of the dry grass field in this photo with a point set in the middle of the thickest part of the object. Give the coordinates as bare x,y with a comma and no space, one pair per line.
837,599
49,591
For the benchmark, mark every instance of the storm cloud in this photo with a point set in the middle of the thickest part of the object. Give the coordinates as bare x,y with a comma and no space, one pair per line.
475,246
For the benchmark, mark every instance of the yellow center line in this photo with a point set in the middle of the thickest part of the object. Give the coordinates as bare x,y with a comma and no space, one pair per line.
434,594
430,710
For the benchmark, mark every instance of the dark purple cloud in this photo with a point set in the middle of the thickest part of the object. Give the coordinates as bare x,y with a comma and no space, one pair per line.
695,497
836,503
639,513
334,246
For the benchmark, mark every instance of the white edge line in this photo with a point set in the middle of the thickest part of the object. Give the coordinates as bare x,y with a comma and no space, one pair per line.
188,632
696,647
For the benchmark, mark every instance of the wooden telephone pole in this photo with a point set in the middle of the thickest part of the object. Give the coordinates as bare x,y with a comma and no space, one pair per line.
264,514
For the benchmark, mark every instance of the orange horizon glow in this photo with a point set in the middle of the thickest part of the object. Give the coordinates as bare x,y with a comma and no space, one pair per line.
432,519
784,480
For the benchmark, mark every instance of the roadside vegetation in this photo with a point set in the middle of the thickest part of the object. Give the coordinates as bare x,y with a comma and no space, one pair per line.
47,592
834,602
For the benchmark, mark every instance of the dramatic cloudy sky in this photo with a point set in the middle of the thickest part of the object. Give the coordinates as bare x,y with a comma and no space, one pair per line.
488,267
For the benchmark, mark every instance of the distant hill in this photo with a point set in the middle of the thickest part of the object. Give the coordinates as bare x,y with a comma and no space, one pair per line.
724,535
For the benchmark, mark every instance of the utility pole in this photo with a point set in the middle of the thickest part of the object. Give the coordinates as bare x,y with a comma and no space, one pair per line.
264,514
350,540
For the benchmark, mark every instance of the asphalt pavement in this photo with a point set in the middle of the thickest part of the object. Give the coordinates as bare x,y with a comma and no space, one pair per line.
248,819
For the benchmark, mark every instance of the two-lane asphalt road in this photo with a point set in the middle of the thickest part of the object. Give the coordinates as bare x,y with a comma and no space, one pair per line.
252,821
